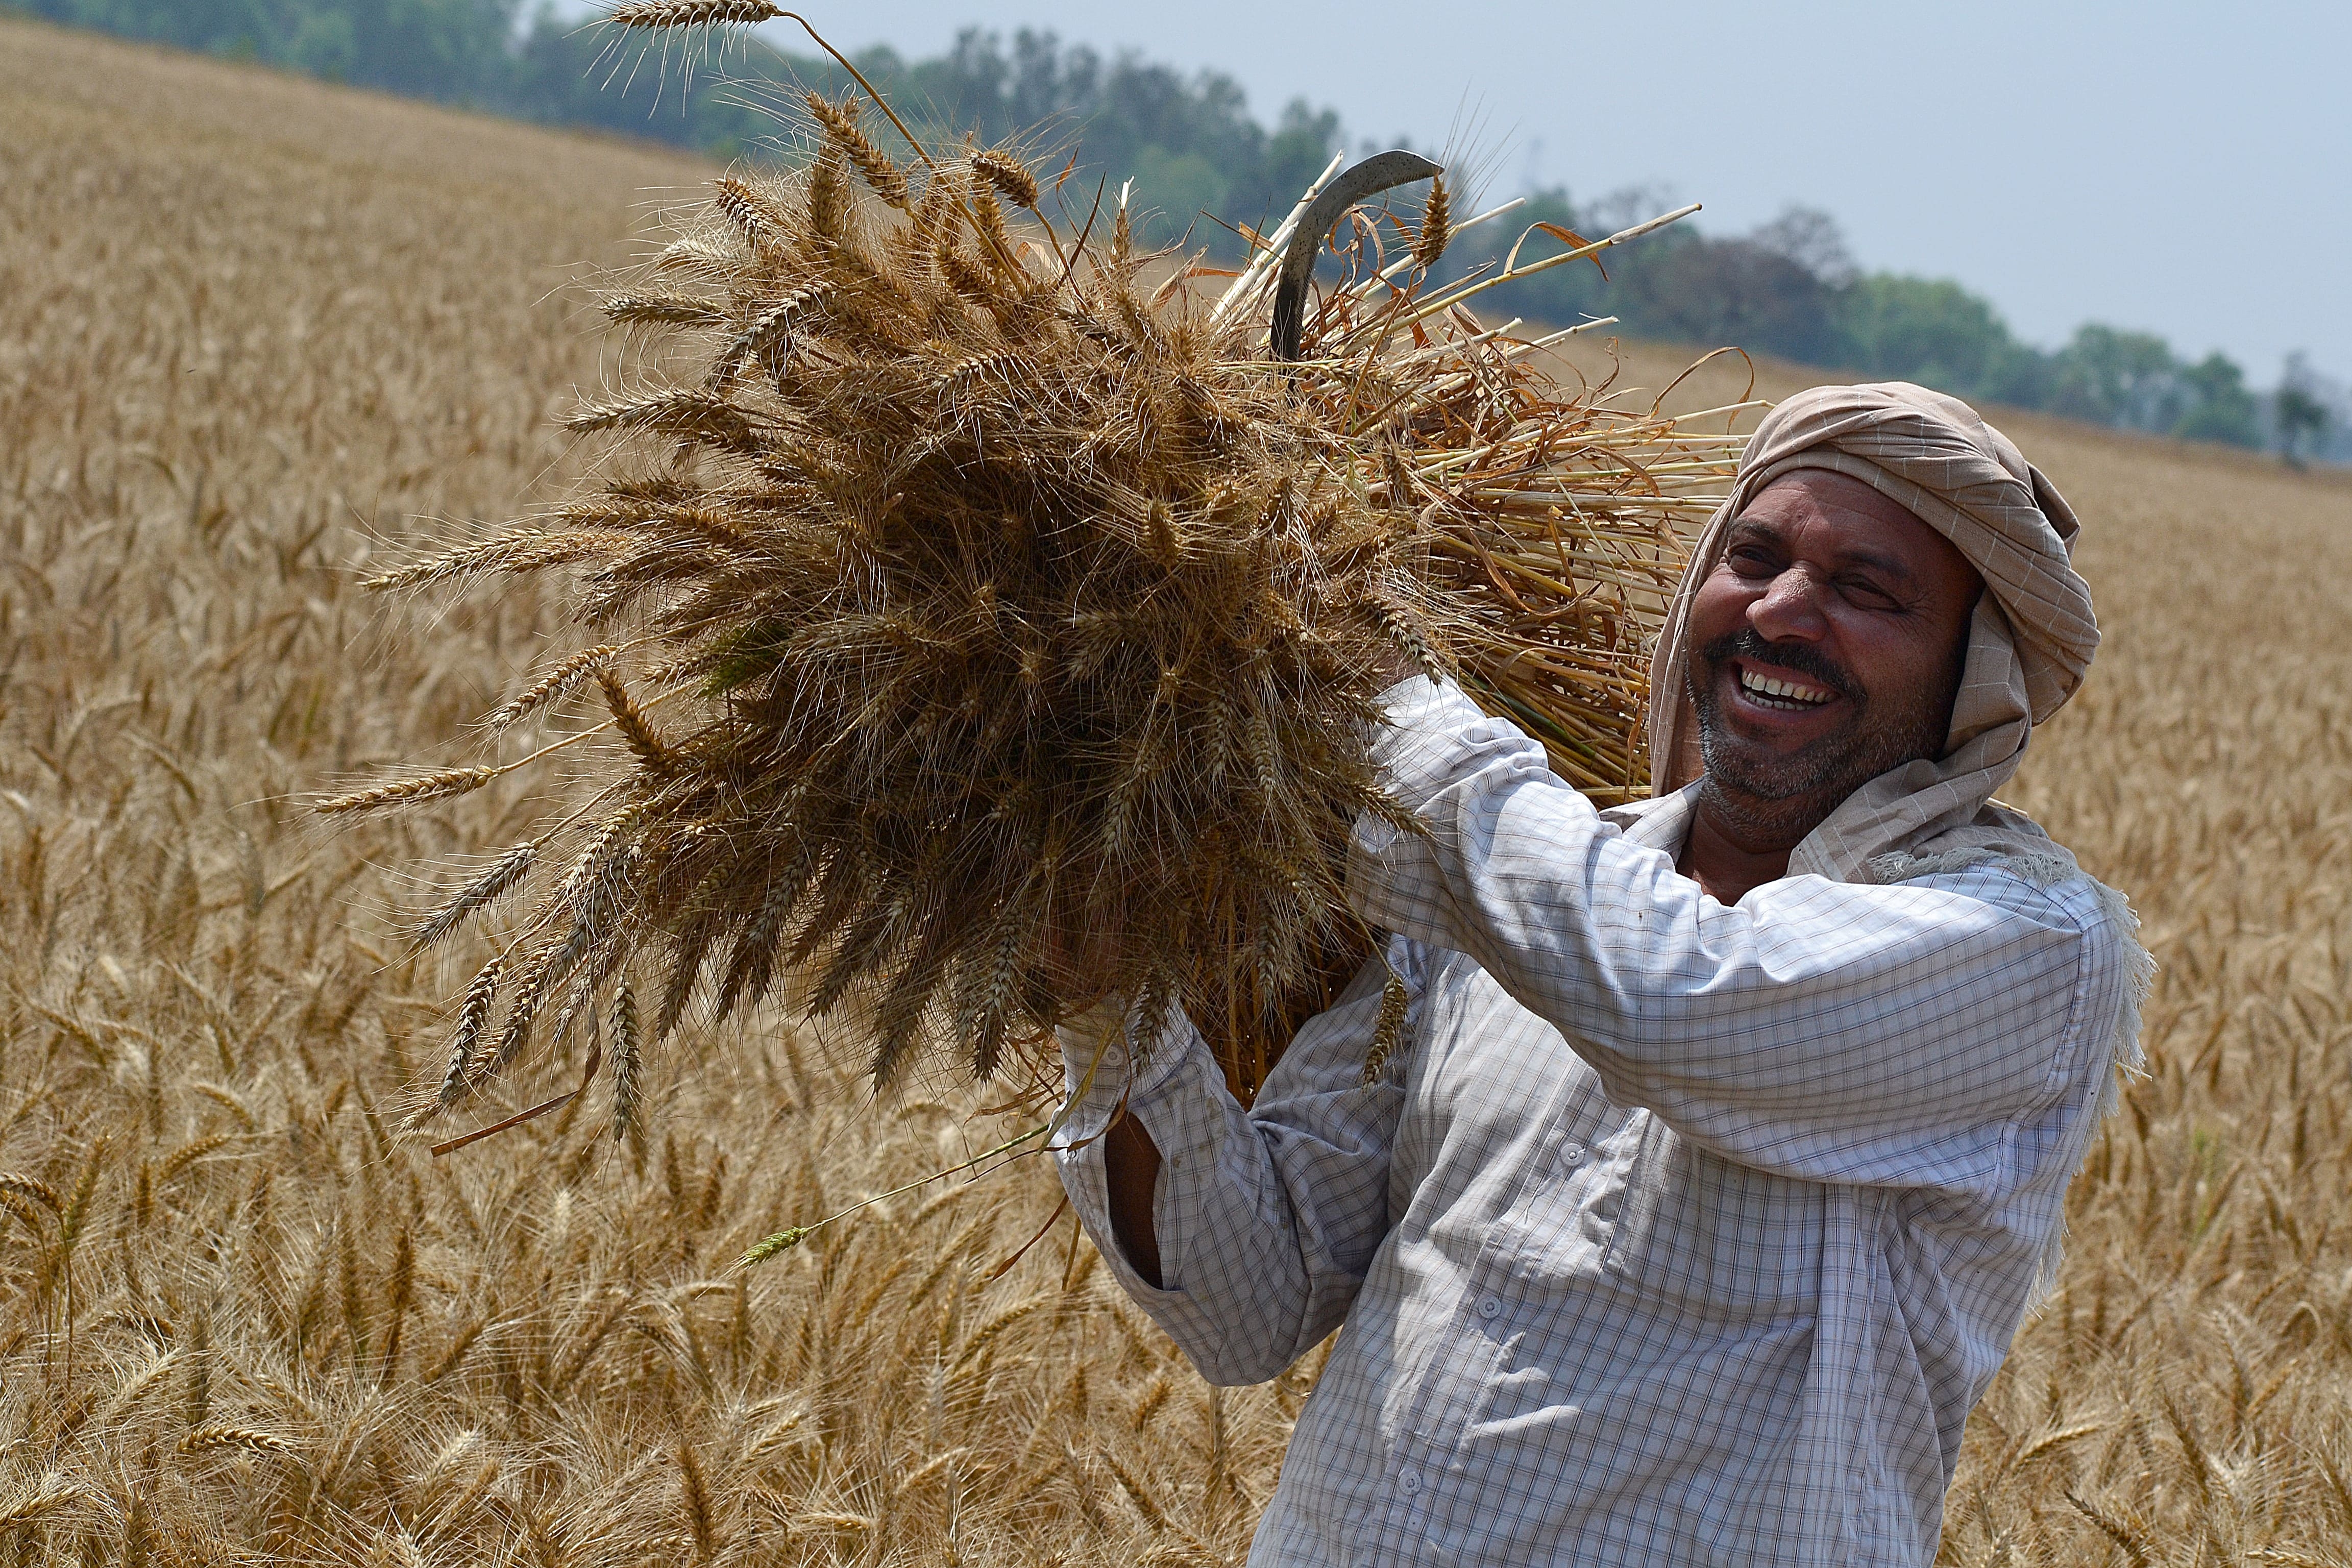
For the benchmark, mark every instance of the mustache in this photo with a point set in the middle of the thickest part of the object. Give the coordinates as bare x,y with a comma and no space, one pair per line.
1796,657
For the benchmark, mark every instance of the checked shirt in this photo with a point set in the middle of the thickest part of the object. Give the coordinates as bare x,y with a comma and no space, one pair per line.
1674,1233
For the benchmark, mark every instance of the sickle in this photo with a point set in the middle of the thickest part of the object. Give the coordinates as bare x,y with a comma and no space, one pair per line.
1377,173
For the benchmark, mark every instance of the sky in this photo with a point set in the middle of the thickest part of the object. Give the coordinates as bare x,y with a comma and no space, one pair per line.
2180,168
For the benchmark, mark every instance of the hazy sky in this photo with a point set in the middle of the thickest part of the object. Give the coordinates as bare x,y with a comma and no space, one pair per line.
2185,168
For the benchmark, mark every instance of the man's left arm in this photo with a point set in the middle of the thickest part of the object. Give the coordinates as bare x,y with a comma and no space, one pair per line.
1818,1029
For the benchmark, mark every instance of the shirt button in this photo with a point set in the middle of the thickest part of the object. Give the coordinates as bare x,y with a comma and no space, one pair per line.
1490,1308
1409,1481
1572,1156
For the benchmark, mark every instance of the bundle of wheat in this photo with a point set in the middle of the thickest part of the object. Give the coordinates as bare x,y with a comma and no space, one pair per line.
955,591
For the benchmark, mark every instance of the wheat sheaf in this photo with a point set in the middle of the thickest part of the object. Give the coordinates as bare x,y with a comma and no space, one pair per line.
969,587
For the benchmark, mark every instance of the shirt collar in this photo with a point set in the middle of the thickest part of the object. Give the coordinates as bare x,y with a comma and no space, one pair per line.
1662,822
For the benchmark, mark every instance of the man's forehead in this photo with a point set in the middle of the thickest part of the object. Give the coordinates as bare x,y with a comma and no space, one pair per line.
1827,489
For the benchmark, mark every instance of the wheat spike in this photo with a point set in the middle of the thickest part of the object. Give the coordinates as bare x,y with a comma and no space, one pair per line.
504,874
30,1214
442,786
627,1067
201,1438
188,1154
456,563
1008,175
630,721
559,682
684,412
694,1498
32,1188
52,1493
884,178
1388,1033
765,332
473,1018
640,310
653,13
1436,225
828,194
781,1241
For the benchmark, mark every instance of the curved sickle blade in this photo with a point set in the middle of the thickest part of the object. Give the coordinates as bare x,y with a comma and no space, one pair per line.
1377,173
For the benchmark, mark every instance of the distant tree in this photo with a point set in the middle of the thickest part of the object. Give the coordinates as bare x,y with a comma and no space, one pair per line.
2111,376
2220,408
1190,143
1811,238
1932,331
2299,411
1708,292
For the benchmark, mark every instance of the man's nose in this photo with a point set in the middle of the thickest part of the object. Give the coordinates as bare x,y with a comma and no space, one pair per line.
1789,609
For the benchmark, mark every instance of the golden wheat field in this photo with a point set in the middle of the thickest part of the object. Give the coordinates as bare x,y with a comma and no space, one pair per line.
249,328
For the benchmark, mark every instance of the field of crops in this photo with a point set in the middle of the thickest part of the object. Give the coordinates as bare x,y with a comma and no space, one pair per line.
254,326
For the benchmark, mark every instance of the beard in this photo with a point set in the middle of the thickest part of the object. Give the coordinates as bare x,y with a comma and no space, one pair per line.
1767,796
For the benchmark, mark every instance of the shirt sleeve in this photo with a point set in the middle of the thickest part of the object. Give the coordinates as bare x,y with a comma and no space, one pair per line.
1819,1029
1266,1218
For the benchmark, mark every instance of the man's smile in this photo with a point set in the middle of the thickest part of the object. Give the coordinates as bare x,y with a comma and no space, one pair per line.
1775,692
1770,697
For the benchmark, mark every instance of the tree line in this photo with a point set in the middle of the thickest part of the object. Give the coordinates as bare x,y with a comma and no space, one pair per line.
1789,288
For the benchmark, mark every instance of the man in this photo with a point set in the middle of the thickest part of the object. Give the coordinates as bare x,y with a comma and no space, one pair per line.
1729,1139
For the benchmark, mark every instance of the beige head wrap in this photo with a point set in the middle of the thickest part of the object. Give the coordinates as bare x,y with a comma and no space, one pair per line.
2030,641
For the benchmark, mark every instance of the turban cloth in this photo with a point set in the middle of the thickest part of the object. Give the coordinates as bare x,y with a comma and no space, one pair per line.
2030,640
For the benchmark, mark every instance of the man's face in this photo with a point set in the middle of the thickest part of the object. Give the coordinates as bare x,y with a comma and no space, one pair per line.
1827,648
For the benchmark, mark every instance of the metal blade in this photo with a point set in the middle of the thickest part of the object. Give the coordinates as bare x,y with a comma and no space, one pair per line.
1381,172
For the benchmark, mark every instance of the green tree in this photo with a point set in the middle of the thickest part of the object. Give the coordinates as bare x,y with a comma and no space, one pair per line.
1933,331
2220,408
2111,376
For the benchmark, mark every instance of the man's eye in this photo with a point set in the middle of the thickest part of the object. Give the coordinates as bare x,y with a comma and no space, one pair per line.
1868,595
1752,563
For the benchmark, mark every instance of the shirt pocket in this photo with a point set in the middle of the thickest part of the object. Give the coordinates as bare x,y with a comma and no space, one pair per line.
1563,1221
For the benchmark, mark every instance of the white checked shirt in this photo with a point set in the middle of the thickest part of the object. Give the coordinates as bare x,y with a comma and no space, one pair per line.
1675,1232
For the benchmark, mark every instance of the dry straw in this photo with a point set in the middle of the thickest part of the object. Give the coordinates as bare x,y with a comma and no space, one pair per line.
1004,601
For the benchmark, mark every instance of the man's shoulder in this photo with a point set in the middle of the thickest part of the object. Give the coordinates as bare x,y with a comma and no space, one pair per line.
2044,884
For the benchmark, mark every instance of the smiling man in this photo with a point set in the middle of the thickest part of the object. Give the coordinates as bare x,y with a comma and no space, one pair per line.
1730,1139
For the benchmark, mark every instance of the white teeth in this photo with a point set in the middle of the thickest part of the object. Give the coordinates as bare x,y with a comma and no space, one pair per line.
1787,690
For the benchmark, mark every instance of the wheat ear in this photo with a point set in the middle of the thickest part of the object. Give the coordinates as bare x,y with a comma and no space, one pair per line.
654,14
410,792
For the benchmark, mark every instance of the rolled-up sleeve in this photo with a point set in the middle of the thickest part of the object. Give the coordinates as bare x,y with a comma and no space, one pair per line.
1818,1029
1266,1218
